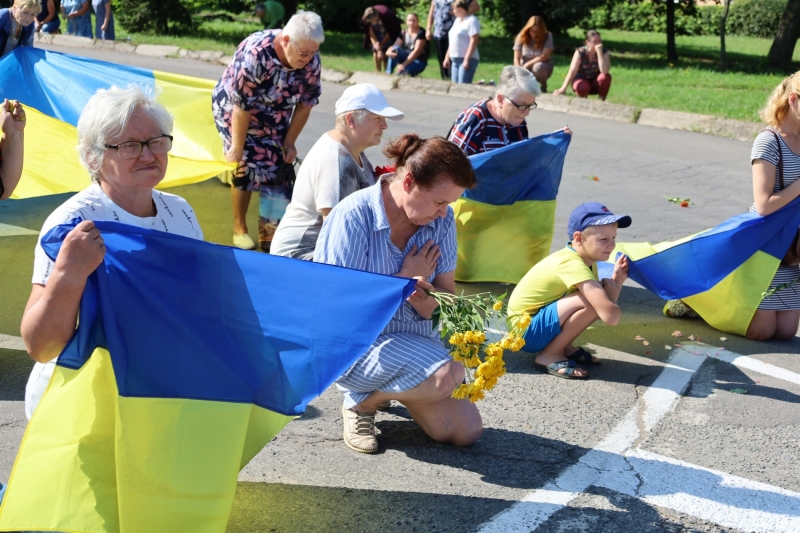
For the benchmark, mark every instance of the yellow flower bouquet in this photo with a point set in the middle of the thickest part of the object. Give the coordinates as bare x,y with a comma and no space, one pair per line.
466,320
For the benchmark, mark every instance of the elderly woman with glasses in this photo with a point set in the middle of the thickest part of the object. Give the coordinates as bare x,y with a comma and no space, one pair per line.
123,140
17,25
260,105
499,121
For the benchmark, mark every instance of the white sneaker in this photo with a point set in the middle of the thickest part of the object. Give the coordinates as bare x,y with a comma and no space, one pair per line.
359,431
244,241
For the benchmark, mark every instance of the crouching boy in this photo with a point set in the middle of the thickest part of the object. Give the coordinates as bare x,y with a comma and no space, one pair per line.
563,295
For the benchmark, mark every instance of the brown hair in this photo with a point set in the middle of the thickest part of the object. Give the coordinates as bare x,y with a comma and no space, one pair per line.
429,160
369,14
463,4
592,33
778,104
524,36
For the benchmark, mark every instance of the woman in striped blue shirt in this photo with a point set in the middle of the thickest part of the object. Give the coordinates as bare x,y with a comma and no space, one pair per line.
404,226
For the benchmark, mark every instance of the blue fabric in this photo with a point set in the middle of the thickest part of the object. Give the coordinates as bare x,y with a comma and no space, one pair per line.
25,37
187,319
697,265
59,85
461,73
413,68
52,26
80,26
525,170
544,327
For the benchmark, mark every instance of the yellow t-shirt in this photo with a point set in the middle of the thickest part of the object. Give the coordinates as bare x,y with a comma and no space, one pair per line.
550,279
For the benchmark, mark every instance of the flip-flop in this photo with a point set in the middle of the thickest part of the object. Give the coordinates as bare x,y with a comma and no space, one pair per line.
553,369
583,356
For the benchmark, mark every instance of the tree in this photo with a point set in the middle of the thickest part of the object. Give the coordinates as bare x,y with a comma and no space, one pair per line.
723,60
672,51
780,53
161,17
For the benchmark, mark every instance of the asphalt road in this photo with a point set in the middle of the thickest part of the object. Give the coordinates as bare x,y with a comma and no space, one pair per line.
659,439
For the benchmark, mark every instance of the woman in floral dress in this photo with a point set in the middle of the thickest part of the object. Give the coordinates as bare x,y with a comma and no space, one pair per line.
260,105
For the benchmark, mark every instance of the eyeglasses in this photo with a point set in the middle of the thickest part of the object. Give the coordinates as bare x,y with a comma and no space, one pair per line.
302,53
133,149
523,107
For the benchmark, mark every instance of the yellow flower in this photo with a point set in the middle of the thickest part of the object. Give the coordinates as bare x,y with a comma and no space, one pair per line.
517,345
494,350
456,355
456,339
524,321
479,337
489,383
507,341
498,305
476,395
468,337
479,383
461,392
472,362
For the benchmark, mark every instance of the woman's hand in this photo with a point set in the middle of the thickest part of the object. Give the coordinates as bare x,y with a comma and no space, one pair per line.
289,152
234,154
82,252
422,302
559,91
422,262
446,62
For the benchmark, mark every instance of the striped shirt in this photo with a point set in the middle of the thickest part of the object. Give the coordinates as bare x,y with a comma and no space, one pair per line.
356,235
476,130
766,148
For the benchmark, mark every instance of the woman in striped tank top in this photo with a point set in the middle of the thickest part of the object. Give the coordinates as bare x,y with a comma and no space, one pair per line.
778,315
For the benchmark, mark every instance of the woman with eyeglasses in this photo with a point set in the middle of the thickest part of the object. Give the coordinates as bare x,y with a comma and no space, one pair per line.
123,139
499,121
260,105
17,25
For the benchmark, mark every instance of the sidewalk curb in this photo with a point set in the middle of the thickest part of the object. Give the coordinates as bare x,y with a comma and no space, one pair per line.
658,118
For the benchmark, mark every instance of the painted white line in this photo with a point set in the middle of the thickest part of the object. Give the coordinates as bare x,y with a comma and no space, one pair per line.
742,361
714,496
10,342
537,507
7,230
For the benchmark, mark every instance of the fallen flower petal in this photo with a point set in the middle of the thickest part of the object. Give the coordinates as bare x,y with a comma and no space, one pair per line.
691,337
678,345
646,343
723,339
667,346
677,333
638,338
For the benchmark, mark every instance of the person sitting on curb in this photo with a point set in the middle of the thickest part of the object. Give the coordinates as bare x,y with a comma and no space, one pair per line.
410,51
12,138
564,295
335,167
497,122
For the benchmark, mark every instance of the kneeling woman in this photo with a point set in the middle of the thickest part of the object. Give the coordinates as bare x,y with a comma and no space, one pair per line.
123,140
404,226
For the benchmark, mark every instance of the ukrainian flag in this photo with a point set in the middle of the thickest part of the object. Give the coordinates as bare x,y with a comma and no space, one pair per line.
188,359
505,224
55,87
721,273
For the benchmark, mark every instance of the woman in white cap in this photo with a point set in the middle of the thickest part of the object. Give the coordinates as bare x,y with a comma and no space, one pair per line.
335,167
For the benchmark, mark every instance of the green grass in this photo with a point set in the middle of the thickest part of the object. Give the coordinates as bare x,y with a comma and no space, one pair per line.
642,75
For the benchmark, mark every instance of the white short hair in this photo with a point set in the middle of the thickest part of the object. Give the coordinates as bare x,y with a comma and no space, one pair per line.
106,116
359,116
305,26
517,80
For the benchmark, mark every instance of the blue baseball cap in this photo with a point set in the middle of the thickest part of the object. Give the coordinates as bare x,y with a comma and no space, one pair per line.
594,214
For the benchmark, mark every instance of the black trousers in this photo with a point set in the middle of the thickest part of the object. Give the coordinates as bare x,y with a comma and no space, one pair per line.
441,49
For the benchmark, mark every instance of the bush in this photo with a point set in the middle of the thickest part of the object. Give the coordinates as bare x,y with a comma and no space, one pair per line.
560,15
345,16
754,18
161,17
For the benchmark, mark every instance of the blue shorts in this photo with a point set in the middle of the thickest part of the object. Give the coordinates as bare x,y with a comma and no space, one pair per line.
544,327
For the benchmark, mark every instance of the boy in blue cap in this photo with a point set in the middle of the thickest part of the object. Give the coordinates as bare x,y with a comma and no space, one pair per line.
563,294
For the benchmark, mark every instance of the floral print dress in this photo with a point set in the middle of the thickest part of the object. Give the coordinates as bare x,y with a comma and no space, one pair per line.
256,81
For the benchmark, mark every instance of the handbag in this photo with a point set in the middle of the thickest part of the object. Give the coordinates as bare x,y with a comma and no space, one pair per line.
792,256
286,175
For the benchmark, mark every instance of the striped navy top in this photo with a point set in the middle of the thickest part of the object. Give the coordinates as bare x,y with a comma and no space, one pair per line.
356,235
766,148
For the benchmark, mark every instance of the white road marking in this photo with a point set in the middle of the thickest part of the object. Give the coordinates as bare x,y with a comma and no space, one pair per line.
7,230
11,342
618,464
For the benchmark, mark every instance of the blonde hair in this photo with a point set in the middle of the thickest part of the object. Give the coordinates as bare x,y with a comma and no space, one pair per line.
35,5
778,104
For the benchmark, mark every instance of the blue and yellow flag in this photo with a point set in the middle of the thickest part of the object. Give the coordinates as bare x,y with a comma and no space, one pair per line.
55,87
721,273
505,224
189,357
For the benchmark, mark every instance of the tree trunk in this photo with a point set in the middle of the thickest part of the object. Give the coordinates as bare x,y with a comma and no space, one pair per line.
672,52
780,54
723,60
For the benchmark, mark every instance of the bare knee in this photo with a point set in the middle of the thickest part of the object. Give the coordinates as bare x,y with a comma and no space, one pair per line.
470,434
447,378
760,332
785,333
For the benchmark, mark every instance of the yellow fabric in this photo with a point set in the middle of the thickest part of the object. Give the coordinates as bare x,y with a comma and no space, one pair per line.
129,464
730,305
500,243
51,164
548,280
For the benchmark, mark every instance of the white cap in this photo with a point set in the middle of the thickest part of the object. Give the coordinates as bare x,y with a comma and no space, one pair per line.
366,96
